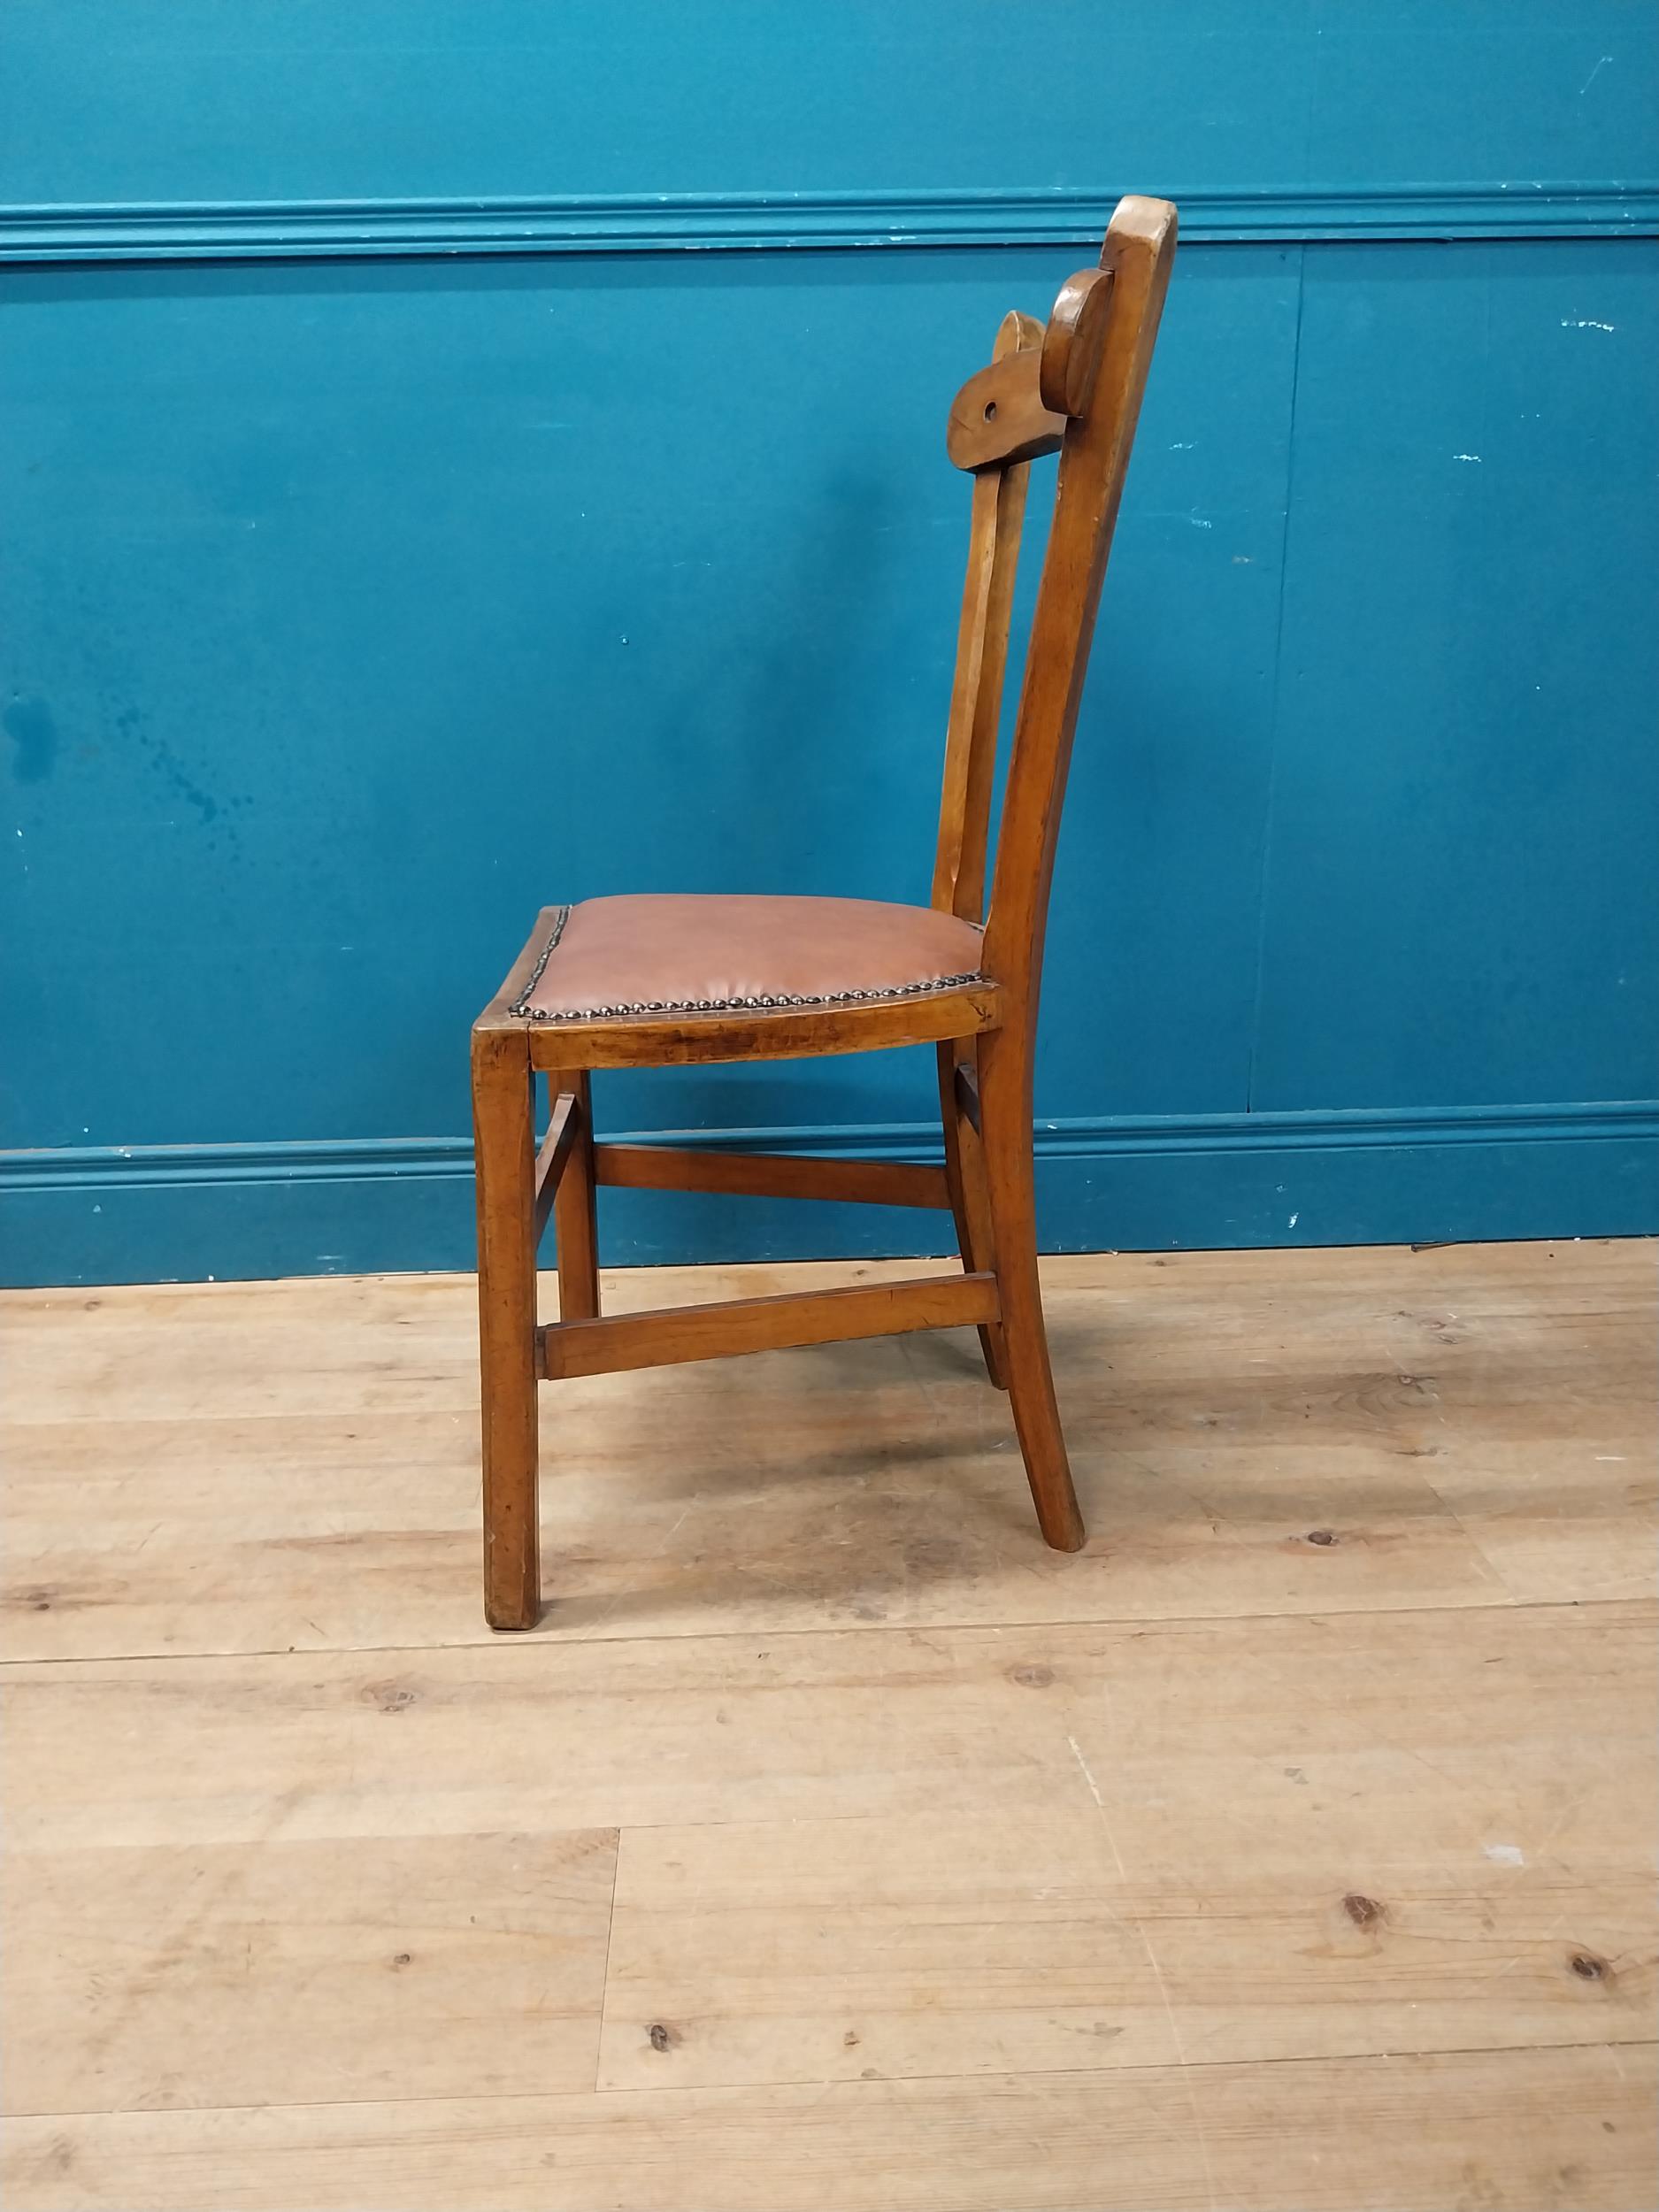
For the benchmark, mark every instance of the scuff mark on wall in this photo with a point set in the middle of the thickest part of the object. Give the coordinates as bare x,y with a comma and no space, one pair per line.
29,724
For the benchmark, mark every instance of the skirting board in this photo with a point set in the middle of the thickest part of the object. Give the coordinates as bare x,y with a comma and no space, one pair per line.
245,1211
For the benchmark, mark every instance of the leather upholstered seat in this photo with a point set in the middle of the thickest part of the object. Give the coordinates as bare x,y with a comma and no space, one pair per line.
700,954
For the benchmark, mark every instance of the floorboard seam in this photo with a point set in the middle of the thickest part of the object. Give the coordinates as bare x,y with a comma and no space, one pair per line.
1145,1622
734,2089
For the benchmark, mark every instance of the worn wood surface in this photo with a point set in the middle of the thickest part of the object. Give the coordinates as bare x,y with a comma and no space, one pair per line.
1557,2131
834,1843
998,420
575,1217
776,1175
965,1180
729,1327
261,1467
288,1969
976,692
563,1129
508,1224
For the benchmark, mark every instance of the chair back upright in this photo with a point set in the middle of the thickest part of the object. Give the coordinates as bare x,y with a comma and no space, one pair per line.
1072,387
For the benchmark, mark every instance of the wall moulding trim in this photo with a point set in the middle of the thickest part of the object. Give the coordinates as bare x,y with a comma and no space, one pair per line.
372,229
373,1206
94,1167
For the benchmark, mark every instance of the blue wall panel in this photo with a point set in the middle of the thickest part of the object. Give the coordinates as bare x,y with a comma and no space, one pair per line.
1460,877
147,101
358,597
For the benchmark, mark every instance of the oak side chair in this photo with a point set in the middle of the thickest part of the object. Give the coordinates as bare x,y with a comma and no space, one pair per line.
663,982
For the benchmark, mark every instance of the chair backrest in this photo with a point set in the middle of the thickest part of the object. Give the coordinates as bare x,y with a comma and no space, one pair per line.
1073,387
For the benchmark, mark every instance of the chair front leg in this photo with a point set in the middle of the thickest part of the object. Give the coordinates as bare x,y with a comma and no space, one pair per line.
969,1198
1005,1127
575,1215
504,1125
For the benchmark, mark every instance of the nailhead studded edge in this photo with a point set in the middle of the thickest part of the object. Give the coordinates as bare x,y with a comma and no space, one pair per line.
521,1008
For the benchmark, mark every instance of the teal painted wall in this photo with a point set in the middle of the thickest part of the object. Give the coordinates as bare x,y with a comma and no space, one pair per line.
456,457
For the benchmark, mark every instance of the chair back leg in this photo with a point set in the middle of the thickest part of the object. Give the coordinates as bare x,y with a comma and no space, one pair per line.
969,1198
575,1226
1005,1129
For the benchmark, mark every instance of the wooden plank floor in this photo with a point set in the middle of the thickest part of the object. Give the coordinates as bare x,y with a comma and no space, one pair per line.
834,1845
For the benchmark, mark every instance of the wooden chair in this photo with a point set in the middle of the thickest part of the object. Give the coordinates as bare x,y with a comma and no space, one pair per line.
673,981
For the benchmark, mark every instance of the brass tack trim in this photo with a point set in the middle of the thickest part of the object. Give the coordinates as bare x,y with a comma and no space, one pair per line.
521,1004
521,1008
